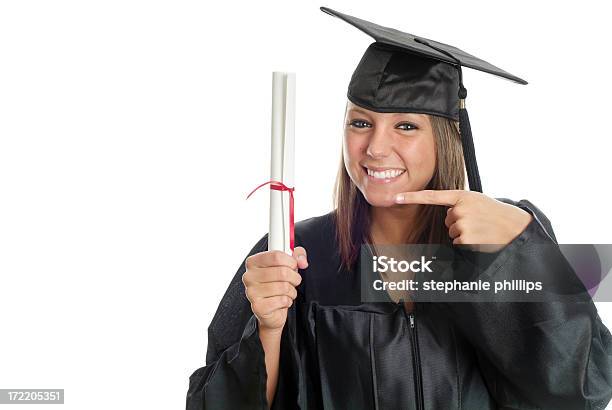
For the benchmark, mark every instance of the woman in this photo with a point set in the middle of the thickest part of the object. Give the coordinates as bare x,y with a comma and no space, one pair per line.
293,331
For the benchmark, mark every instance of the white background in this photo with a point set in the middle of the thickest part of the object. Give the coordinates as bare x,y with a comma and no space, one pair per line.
131,132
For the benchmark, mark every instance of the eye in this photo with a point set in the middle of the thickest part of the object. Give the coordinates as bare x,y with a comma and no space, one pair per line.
406,126
359,124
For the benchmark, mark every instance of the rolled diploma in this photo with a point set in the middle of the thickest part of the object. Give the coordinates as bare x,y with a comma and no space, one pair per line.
282,158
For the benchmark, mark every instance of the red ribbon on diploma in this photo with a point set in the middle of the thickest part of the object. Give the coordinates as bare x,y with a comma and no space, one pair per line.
279,186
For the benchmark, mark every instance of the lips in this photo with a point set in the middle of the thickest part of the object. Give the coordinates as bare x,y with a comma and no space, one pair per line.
382,174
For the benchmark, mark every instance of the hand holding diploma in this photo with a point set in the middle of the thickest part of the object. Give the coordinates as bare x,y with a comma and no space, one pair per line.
271,276
270,280
474,218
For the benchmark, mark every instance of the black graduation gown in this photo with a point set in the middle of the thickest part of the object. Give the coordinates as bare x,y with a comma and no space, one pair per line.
339,353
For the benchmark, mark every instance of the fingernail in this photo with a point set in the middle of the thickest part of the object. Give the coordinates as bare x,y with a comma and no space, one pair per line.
301,257
399,198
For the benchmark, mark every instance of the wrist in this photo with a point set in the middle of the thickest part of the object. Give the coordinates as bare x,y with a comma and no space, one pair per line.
526,220
268,333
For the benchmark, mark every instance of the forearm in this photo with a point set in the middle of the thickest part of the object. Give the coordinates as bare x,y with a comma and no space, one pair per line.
271,340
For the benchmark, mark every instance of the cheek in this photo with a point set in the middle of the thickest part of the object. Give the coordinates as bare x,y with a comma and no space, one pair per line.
420,155
354,147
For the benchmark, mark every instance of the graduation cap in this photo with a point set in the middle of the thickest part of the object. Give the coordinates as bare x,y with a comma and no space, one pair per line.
401,72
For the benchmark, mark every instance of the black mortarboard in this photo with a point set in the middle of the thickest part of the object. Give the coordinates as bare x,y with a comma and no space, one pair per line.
401,72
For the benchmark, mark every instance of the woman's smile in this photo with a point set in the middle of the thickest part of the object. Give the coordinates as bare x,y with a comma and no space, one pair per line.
383,175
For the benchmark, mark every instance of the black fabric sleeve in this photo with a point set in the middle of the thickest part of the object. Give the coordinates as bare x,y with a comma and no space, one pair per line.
538,355
235,380
235,373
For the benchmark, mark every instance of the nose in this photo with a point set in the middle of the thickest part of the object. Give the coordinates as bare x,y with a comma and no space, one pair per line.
380,144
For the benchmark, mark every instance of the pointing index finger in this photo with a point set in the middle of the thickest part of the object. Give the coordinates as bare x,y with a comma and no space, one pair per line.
430,197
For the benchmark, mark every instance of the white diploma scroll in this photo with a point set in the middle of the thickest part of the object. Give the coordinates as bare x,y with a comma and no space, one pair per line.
282,158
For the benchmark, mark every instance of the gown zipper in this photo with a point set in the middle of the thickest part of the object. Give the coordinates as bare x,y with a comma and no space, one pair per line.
416,358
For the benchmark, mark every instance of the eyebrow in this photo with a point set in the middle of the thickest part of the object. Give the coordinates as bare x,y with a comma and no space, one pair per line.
358,110
394,114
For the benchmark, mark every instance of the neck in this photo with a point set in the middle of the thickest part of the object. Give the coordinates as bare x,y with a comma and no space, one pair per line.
392,225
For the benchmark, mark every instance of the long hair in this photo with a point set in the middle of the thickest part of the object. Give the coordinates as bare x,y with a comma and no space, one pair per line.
352,211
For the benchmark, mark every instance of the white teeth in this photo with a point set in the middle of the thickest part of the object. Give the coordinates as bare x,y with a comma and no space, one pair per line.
387,174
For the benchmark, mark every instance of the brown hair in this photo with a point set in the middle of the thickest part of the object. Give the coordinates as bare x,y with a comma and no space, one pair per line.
352,211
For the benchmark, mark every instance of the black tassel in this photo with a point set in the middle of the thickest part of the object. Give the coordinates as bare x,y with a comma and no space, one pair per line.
469,154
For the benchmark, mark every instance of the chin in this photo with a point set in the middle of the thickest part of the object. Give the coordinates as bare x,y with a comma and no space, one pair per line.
381,200
385,198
